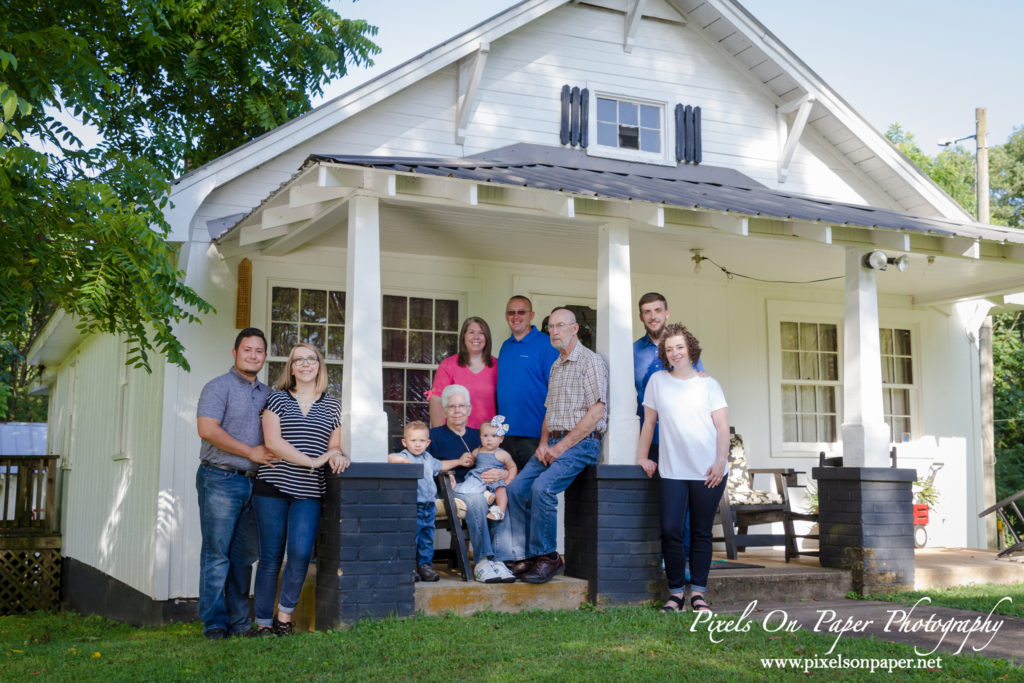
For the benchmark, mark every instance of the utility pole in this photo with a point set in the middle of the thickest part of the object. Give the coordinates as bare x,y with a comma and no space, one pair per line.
980,132
987,370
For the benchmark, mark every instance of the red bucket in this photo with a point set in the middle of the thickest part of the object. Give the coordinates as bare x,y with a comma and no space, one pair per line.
920,514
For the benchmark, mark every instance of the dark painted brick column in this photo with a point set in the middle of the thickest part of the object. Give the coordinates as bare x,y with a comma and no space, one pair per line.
613,534
866,522
366,549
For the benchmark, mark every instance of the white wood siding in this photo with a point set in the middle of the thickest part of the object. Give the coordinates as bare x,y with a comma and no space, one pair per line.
109,499
518,102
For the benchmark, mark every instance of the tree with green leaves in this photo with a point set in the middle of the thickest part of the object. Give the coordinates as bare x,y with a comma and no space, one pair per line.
1006,168
954,169
167,85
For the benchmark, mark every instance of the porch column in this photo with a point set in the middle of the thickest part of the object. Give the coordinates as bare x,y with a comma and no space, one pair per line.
615,342
611,510
365,425
865,434
367,537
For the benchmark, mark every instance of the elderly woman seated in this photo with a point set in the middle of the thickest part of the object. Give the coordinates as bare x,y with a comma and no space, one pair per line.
451,441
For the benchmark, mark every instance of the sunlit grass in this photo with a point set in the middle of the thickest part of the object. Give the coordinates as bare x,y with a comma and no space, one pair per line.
979,598
622,643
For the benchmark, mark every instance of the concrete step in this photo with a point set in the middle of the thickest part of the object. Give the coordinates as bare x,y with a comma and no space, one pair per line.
946,567
452,595
774,583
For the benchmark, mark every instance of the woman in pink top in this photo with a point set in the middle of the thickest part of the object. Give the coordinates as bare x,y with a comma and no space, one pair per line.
474,368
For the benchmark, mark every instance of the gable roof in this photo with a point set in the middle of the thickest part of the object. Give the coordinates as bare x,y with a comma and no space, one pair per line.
725,25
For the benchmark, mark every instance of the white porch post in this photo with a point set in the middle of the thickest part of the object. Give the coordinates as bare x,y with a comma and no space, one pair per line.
615,343
364,423
865,434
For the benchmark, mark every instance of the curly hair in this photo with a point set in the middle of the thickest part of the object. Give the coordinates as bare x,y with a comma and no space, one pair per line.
678,330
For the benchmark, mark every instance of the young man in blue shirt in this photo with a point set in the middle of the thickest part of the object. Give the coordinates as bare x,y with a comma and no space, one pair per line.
653,314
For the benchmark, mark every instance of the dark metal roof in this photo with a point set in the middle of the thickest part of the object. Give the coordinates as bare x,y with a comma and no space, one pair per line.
686,186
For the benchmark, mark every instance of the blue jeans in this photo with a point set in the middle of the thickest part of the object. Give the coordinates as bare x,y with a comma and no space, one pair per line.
679,498
477,525
228,527
425,516
283,522
533,498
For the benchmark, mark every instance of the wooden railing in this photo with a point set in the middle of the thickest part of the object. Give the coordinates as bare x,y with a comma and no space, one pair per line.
28,495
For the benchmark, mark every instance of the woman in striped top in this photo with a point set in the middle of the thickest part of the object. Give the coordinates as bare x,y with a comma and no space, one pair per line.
302,427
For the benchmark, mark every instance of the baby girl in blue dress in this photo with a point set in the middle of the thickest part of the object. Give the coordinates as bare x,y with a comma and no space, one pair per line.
490,456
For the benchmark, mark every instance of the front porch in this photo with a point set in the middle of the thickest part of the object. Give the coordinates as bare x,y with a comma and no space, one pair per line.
774,581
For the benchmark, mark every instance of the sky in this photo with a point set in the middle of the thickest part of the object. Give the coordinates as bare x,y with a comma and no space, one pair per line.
925,64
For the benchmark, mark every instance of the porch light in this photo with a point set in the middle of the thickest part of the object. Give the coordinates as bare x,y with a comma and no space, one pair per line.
878,260
697,257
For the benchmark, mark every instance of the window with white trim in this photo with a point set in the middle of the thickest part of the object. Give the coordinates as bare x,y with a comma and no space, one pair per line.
631,129
897,382
315,316
629,125
419,332
810,381
811,386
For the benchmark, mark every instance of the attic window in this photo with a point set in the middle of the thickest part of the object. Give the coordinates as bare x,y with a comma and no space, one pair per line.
629,129
628,125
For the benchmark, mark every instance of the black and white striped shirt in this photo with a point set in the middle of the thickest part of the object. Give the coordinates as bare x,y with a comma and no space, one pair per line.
310,434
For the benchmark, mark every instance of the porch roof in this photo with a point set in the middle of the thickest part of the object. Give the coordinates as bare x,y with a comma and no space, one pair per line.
694,187
557,196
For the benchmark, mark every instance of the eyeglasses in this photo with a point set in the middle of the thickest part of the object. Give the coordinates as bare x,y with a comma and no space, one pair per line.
560,326
305,361
518,312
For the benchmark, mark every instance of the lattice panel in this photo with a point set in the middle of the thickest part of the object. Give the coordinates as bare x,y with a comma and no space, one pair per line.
29,580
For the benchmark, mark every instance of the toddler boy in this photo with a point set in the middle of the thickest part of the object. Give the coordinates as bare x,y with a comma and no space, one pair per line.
416,438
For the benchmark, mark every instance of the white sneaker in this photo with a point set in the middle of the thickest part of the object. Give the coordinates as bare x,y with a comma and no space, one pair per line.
504,573
486,572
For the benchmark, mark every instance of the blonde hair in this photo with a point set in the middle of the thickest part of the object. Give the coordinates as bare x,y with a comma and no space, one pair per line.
286,380
414,426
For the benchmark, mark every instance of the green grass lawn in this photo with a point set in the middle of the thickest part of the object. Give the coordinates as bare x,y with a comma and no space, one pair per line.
622,643
979,598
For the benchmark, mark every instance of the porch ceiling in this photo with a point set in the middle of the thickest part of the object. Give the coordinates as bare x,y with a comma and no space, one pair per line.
548,212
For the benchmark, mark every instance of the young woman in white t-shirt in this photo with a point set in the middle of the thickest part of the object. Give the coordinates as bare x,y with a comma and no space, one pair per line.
693,419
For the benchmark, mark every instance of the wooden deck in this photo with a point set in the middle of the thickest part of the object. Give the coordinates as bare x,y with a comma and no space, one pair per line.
30,541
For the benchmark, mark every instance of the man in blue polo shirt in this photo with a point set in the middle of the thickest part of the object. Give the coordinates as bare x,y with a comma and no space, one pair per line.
228,420
524,366
653,314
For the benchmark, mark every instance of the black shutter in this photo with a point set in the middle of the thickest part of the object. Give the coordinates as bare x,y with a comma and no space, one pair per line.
566,111
697,147
574,118
680,134
688,144
584,117
688,134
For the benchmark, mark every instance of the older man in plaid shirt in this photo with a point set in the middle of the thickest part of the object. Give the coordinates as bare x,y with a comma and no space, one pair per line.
574,422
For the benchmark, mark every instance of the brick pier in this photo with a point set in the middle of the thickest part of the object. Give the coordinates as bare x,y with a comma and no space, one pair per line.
366,546
866,522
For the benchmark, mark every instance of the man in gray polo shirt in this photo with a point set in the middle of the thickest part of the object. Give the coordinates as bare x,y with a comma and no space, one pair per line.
228,418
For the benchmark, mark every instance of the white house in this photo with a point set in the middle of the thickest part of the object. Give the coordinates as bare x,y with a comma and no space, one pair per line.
538,153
